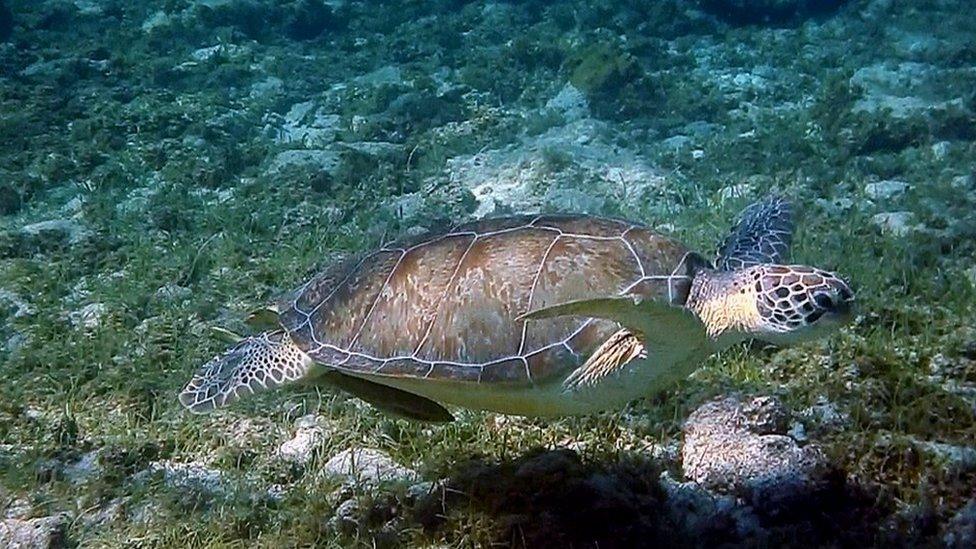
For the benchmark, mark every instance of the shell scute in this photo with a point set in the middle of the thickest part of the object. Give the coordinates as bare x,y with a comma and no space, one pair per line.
320,287
455,372
548,362
576,268
300,329
591,227
411,297
342,311
490,288
404,367
487,226
658,256
506,371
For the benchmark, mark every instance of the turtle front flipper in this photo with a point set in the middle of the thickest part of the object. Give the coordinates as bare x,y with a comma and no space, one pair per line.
653,329
616,352
656,322
253,365
763,234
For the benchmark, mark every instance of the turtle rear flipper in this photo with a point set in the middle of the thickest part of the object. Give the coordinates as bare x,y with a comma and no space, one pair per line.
388,399
763,234
253,365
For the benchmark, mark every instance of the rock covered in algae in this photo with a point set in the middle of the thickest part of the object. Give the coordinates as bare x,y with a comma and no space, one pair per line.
742,447
961,530
36,533
369,466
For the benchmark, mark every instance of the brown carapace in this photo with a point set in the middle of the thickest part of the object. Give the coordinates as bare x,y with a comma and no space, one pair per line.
447,307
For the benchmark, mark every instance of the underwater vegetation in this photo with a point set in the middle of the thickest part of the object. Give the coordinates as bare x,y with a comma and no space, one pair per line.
166,168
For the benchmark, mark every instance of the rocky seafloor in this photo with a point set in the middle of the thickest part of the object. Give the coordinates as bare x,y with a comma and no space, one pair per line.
166,167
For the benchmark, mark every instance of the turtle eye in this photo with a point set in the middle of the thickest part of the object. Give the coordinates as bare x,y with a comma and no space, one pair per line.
845,293
833,302
824,301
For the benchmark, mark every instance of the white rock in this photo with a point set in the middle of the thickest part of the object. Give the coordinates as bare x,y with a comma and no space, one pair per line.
901,89
271,85
112,511
65,230
915,45
173,292
406,206
798,432
19,508
323,160
883,190
146,512
73,206
308,126
89,7
740,446
963,182
896,223
36,533
825,415
84,469
956,459
157,20
676,142
961,531
309,434
16,342
836,206
423,489
88,317
15,304
225,50
378,149
194,476
573,200
580,155
369,466
695,510
389,75
138,198
571,102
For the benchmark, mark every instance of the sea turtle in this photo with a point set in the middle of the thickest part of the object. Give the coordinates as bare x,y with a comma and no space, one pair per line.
541,315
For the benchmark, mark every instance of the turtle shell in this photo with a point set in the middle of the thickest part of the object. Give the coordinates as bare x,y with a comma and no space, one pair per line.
445,306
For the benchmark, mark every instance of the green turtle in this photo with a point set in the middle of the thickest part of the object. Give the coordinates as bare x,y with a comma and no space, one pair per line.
543,315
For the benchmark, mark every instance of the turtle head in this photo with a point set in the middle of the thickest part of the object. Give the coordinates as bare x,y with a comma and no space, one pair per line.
798,303
782,304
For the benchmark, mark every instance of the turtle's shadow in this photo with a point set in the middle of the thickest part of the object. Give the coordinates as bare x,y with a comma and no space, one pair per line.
551,498
555,499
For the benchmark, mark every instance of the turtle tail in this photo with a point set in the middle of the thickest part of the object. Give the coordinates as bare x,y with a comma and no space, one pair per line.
252,365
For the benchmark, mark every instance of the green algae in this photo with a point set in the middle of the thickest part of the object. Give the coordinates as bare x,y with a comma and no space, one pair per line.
602,67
